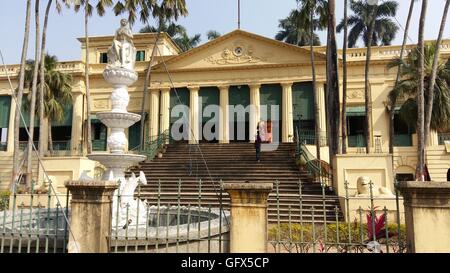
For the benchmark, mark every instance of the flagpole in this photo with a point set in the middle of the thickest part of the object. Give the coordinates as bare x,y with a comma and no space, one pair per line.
239,14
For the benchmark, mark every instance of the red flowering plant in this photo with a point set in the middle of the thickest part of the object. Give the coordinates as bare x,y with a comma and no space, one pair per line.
380,226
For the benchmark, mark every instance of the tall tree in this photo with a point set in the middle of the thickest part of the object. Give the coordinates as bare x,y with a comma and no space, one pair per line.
367,91
100,8
384,29
212,34
294,29
332,83
42,69
344,83
33,97
420,97
432,81
393,99
308,9
407,88
17,116
57,92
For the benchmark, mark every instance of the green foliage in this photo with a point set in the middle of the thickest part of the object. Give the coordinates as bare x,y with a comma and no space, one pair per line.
4,200
341,237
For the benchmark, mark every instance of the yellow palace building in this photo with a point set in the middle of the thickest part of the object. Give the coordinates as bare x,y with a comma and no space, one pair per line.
239,68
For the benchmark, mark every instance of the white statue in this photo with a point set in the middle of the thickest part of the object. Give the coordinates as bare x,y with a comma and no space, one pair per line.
136,207
122,53
363,188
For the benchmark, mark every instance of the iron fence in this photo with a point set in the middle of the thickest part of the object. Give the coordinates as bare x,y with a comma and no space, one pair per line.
169,218
33,222
348,224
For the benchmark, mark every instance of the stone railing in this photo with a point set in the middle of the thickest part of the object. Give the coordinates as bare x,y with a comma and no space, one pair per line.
66,67
383,52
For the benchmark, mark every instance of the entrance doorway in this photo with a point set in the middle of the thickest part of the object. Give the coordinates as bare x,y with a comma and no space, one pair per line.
208,96
238,100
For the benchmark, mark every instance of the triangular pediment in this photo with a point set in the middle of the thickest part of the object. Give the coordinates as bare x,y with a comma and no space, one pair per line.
240,48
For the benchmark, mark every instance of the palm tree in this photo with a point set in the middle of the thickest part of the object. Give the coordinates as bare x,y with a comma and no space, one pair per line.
212,34
186,42
57,91
372,11
408,88
307,9
420,97
384,28
177,32
33,98
42,69
430,93
17,117
393,101
332,83
344,83
100,8
293,31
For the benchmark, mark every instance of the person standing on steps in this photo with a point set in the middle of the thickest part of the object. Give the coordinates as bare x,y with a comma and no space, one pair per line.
258,146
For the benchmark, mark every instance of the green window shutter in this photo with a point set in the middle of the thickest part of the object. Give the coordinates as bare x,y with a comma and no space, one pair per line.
67,121
207,96
133,135
303,101
140,56
5,111
26,116
270,94
356,111
183,98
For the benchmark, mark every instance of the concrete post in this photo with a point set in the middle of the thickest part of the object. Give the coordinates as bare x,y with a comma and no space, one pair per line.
287,115
320,97
77,120
427,216
165,110
91,215
224,113
248,229
194,133
254,110
154,114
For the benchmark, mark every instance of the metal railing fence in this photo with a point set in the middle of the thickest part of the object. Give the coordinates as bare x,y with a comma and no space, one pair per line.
319,225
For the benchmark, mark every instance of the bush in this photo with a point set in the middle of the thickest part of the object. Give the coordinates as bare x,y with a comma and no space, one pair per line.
4,200
291,237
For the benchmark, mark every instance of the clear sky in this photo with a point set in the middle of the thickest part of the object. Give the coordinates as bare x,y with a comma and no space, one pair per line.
257,16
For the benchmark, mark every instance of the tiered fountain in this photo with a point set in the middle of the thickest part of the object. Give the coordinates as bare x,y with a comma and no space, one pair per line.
119,73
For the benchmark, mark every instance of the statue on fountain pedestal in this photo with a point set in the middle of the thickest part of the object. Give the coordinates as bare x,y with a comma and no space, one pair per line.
122,53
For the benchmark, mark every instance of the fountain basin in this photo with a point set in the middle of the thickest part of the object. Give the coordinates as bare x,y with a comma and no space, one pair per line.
117,162
120,76
118,119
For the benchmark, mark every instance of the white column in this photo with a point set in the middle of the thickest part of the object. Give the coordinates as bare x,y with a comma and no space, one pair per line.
320,97
224,115
287,116
77,122
194,135
154,114
254,110
12,114
164,122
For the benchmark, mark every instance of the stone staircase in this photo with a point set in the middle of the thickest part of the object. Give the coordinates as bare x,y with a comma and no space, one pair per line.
235,162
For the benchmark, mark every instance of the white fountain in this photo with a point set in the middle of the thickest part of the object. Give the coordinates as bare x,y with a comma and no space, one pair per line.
120,73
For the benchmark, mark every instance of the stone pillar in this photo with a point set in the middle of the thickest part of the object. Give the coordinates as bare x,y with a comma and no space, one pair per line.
194,135
154,114
254,110
164,122
320,97
77,122
91,215
224,115
287,115
12,114
248,230
427,215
